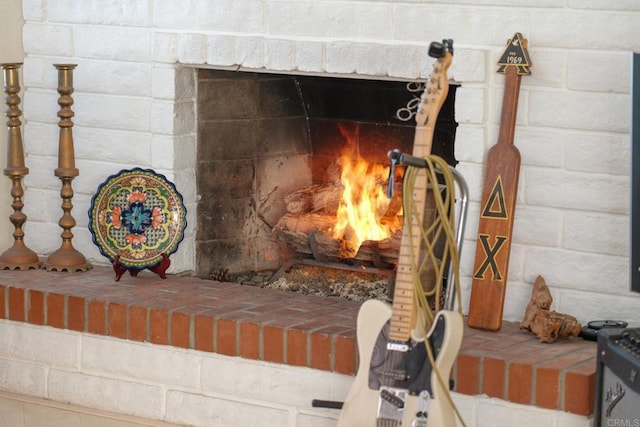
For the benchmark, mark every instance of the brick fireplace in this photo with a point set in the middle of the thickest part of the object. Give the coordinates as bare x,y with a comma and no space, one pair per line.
136,105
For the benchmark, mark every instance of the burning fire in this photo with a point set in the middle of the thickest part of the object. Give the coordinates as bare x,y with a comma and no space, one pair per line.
363,203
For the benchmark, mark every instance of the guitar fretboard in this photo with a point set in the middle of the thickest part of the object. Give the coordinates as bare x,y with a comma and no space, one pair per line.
404,313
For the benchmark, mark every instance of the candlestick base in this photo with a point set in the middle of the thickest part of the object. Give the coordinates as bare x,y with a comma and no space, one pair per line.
67,259
19,257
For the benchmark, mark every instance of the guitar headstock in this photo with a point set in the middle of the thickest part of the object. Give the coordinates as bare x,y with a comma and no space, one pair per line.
437,87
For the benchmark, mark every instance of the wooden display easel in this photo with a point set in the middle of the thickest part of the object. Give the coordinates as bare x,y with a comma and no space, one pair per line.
160,268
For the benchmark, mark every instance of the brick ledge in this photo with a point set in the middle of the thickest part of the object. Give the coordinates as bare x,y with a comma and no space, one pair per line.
287,328
513,365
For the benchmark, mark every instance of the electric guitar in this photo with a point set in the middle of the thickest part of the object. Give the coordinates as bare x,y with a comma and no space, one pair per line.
396,384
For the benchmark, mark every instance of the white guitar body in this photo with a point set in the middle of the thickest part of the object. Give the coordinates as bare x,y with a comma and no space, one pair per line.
359,409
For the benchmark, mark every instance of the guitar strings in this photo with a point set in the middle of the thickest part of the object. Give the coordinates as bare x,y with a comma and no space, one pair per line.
443,225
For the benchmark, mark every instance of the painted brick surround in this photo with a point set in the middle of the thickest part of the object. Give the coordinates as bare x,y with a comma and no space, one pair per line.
287,328
135,106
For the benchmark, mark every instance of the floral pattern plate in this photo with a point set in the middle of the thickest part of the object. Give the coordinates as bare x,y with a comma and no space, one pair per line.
138,215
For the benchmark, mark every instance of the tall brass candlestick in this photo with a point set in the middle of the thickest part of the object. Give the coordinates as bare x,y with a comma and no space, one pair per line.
67,258
18,256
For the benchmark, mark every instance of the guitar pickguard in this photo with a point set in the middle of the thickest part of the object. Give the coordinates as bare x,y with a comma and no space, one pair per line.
409,370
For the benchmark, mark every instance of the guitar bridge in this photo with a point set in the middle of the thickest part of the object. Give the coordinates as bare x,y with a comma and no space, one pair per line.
391,403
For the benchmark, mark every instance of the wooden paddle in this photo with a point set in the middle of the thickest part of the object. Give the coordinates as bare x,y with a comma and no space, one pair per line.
499,193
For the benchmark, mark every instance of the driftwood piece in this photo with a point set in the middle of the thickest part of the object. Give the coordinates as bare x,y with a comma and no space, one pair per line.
540,299
547,325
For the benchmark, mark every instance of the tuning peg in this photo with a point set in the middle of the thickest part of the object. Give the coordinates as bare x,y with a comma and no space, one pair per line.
448,45
437,49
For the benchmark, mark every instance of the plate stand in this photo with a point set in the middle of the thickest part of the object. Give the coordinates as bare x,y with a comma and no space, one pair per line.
159,268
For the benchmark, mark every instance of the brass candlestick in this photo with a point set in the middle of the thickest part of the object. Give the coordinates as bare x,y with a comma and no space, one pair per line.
18,256
67,258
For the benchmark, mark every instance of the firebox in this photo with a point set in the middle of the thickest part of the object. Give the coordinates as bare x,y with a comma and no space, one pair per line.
263,136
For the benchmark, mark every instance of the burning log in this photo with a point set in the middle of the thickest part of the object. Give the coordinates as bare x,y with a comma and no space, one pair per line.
295,230
325,198
316,198
347,217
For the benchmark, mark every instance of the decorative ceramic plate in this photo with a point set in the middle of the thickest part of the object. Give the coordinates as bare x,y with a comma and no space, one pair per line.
138,215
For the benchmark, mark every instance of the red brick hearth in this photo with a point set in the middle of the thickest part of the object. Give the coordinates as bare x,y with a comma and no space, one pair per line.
288,328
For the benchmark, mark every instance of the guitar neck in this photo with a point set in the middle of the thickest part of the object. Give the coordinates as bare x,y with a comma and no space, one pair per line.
404,311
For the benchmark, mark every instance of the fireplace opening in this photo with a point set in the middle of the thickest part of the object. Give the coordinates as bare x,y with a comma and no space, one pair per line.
272,151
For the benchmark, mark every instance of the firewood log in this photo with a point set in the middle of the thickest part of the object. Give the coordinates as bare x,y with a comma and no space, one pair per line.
294,230
323,198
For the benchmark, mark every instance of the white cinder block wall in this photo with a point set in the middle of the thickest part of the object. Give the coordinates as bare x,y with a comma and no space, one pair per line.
134,92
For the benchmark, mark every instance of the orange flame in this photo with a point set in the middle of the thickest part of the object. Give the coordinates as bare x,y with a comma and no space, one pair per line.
363,202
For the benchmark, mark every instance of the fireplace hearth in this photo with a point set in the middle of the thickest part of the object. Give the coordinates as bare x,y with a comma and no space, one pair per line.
263,137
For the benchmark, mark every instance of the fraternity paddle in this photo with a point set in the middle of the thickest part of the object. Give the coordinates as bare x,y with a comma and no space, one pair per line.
499,193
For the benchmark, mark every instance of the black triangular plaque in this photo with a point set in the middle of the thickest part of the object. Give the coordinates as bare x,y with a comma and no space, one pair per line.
515,55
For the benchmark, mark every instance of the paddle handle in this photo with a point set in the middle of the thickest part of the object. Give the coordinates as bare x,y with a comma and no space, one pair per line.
509,107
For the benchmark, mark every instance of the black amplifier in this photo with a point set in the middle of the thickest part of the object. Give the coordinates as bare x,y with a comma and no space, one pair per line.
617,402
